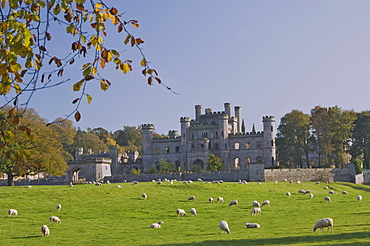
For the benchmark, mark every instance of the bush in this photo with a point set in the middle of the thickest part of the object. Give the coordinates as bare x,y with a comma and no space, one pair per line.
135,171
358,166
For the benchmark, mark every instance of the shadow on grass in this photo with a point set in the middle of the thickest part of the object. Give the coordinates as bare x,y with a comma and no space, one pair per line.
25,237
358,187
325,238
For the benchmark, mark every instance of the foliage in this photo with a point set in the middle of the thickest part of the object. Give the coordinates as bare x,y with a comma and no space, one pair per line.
89,140
358,166
129,138
361,138
31,58
65,132
165,166
84,205
151,170
135,171
197,169
214,163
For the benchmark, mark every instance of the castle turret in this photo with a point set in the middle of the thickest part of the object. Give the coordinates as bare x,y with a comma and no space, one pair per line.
198,111
147,131
228,109
269,140
238,116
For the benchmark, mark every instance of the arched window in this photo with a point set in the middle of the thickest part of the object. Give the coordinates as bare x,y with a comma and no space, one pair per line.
237,163
259,159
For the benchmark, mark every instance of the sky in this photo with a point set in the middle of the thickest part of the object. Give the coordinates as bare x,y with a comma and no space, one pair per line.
267,56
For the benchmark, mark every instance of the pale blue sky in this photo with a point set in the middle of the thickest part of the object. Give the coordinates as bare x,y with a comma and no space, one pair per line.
267,56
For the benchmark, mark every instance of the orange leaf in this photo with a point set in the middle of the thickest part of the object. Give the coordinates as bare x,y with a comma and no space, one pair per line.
133,41
158,80
139,41
150,80
113,11
77,116
76,100
120,28
68,15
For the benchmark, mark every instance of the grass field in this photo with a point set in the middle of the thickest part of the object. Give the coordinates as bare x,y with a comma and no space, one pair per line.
105,215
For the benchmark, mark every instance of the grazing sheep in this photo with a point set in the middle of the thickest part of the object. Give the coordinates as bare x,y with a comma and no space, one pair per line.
326,187
45,231
326,198
29,186
317,182
256,211
307,192
327,222
276,182
288,194
332,192
210,199
359,198
267,203
220,199
156,225
221,181
59,207
301,191
191,198
70,184
12,212
200,180
344,192
224,227
252,225
118,186
193,211
135,182
285,180
153,180
55,219
185,182
108,182
159,182
298,182
180,212
233,202
256,204
311,195
144,196
259,183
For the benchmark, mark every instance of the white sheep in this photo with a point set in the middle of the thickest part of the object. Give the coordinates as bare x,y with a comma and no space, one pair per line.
210,199
256,211
193,211
252,225
156,225
191,198
144,196
180,212
307,192
55,219
70,184
317,182
45,231
332,192
135,182
220,199
359,198
267,203
59,207
327,222
29,186
288,194
233,202
344,192
12,212
224,227
326,198
118,186
256,204
301,191
298,182
311,195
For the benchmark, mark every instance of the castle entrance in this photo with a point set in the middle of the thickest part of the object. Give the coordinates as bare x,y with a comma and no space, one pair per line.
75,175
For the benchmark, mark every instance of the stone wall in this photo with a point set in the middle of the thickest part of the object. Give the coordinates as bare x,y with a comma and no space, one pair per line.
366,175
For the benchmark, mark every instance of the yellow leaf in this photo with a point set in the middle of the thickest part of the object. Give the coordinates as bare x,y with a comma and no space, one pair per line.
56,9
93,71
77,86
98,5
89,98
104,86
17,88
127,39
143,62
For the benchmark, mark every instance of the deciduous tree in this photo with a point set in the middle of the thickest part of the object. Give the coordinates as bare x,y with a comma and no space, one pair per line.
214,163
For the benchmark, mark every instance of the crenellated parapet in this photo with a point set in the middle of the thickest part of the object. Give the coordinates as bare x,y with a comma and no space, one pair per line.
268,118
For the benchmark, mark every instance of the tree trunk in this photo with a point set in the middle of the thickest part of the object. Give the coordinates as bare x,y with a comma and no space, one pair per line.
10,178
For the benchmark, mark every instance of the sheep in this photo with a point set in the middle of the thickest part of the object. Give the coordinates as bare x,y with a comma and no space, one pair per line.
326,198
233,202
285,180
191,198
59,207
107,182
156,225
317,182
288,194
267,203
118,186
276,182
344,192
301,191
256,211
220,199
210,199
159,182
221,181
70,184
200,180
252,225
327,222
12,212
256,204
311,195
180,212
332,192
135,182
55,219
45,231
359,198
298,182
307,192
259,183
144,196
193,211
29,186
224,227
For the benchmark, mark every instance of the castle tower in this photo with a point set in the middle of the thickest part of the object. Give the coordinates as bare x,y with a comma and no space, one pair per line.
227,107
269,140
198,111
238,116
223,147
147,131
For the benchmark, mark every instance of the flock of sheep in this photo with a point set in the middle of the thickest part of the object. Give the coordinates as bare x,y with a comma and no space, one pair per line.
223,225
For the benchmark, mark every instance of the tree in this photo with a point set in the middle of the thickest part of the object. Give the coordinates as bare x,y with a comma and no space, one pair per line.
65,132
129,138
30,148
165,166
31,58
89,140
214,163
293,137
361,138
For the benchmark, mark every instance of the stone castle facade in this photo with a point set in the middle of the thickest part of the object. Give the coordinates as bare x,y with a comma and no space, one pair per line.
217,133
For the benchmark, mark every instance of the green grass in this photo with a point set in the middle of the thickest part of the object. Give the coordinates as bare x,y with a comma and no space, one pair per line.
105,215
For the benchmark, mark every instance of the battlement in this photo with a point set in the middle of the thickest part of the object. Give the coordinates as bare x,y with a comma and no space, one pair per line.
147,126
247,134
268,118
184,119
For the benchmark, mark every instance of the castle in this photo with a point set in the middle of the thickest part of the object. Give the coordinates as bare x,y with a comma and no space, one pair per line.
217,133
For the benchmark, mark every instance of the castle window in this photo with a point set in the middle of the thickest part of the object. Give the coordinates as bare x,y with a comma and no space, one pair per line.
216,134
259,159
205,134
259,144
157,150
192,146
222,133
247,160
237,163
177,149
272,160
225,145
272,143
236,145
183,135
202,145
167,150
192,136
272,128
247,145
216,146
